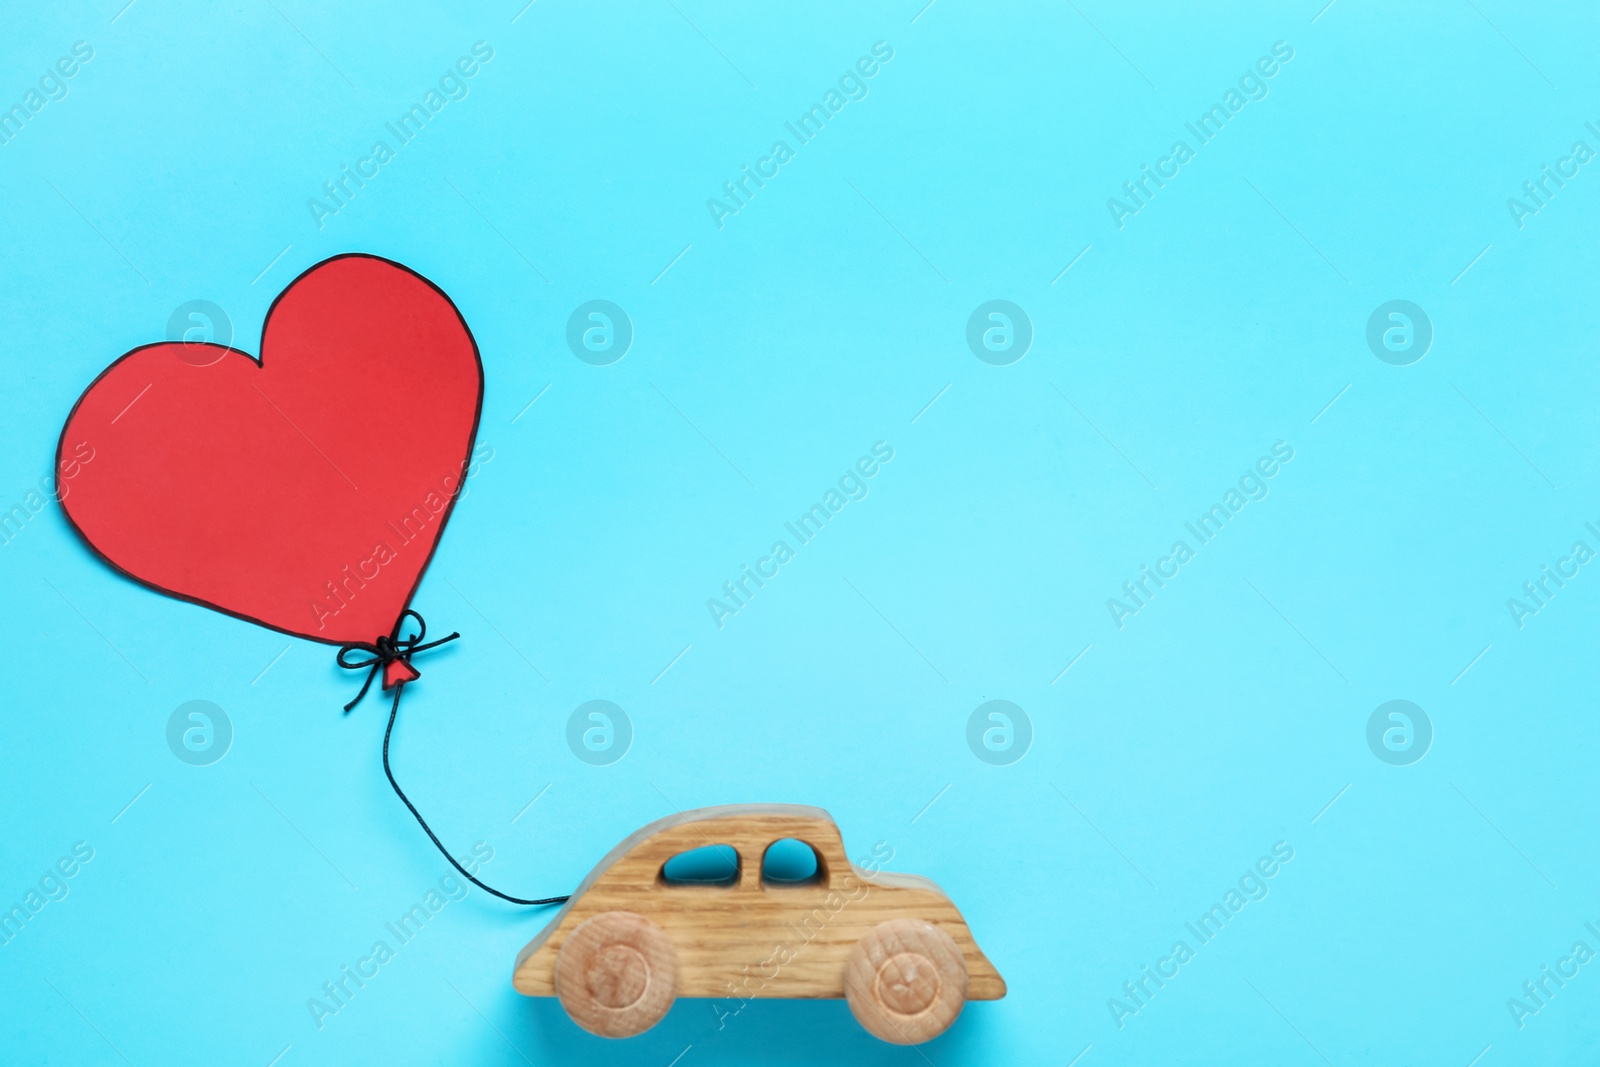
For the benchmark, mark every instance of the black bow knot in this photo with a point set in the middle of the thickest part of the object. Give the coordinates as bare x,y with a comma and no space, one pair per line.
387,650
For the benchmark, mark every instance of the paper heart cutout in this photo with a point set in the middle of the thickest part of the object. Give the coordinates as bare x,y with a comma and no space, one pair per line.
306,490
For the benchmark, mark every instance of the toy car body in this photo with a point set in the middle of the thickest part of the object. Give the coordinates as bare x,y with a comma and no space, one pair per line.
631,940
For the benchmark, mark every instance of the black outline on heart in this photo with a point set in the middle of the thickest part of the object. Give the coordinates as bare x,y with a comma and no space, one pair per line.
472,439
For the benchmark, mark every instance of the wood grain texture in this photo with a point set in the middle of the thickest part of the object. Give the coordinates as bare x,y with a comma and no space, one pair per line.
617,975
905,981
753,939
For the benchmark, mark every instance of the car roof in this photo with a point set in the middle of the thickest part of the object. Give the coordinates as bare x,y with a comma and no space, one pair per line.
742,826
743,812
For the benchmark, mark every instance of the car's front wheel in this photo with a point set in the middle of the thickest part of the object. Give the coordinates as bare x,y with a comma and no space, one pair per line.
617,974
906,981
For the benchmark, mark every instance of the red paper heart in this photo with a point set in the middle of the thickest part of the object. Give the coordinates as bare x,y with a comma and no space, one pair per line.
305,491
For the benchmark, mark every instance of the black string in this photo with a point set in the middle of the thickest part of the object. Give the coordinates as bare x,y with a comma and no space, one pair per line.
394,711
382,652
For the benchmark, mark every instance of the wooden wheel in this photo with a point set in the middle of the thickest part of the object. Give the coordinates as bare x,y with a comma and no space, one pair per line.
617,974
906,981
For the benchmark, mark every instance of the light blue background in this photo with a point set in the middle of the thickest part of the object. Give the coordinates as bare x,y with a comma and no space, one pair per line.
824,317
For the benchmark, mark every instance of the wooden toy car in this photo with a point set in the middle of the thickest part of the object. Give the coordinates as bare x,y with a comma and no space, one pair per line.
632,939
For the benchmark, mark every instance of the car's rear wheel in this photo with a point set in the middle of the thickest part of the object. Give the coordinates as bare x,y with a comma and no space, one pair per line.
617,974
906,981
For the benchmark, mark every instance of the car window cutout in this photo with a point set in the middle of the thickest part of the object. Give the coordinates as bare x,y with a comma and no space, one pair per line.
789,862
716,865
